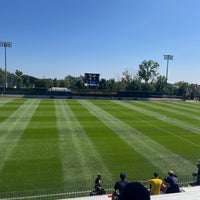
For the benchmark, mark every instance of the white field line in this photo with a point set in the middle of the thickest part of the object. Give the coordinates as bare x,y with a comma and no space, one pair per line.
141,110
72,135
152,151
194,106
170,120
183,106
162,107
162,129
12,129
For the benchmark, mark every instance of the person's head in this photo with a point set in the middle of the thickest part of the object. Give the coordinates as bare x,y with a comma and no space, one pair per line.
134,191
171,173
155,174
123,176
99,175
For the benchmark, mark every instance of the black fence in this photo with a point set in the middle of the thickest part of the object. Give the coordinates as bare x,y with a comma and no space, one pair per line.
91,93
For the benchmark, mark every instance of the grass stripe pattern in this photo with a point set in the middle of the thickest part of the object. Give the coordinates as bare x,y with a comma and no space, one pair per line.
149,149
60,145
80,162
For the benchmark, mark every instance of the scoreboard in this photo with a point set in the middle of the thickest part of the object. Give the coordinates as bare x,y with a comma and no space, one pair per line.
91,80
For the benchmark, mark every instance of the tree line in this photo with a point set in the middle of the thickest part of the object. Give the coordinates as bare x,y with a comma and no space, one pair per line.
147,79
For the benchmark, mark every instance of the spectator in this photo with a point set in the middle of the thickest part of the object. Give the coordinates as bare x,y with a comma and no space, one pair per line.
155,184
134,191
119,185
98,185
171,183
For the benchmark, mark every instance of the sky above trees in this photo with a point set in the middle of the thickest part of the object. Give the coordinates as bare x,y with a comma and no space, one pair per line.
56,38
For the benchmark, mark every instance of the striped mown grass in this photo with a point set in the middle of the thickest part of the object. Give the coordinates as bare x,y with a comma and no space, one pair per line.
63,144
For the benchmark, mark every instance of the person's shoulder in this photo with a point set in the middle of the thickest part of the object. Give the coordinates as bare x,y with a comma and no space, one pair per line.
159,180
151,180
117,183
155,180
134,190
120,182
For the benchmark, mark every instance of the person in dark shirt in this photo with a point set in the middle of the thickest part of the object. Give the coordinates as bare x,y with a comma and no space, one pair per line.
134,191
98,181
119,186
171,183
98,185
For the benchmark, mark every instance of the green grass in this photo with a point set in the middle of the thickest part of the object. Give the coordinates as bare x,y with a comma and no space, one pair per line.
62,144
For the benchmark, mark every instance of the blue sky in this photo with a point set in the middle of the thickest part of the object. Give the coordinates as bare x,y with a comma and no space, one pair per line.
56,38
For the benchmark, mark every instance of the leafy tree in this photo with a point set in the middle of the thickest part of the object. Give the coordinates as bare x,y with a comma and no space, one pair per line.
170,89
182,89
160,84
19,82
134,85
74,82
125,80
148,71
18,73
69,81
79,82
2,75
194,91
62,83
102,84
127,76
147,79
44,83
111,84
26,81
147,87
55,82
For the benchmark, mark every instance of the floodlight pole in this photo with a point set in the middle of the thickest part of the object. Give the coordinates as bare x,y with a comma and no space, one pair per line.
5,44
168,57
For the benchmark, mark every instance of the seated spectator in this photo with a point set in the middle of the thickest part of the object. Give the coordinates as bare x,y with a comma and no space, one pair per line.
171,183
98,185
155,184
119,185
134,191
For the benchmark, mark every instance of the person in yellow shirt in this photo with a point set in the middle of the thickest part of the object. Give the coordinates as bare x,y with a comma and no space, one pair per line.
155,184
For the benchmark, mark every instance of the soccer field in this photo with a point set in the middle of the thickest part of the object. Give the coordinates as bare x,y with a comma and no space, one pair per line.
54,144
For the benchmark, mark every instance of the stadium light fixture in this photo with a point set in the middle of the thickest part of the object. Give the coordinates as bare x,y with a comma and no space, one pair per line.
5,44
168,57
